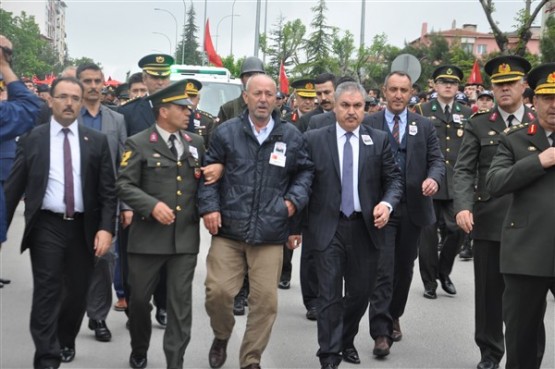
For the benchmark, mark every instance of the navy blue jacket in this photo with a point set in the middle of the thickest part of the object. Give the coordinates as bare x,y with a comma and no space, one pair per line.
251,193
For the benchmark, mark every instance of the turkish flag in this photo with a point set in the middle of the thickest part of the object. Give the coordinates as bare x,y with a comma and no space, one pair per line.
475,77
283,80
213,57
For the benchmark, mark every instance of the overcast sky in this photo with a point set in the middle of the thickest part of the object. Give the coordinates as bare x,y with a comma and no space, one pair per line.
118,33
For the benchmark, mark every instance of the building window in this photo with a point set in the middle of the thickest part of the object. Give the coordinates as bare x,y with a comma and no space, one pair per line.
467,47
482,49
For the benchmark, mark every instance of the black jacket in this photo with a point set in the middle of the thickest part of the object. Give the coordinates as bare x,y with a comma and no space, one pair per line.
252,192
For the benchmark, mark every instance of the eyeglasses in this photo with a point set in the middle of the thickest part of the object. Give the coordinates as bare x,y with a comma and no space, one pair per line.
74,98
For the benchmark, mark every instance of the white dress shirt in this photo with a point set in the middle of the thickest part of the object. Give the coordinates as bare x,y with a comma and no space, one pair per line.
54,196
166,137
341,139
519,115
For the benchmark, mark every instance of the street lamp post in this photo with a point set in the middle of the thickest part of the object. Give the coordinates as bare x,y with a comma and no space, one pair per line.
166,36
218,26
232,13
175,20
183,40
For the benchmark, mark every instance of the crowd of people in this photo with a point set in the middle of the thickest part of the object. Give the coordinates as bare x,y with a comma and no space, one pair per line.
116,182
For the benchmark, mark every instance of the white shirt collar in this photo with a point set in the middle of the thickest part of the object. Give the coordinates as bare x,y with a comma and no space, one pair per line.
56,128
519,113
341,132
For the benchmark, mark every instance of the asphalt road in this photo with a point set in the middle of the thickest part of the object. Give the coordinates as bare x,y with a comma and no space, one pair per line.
437,333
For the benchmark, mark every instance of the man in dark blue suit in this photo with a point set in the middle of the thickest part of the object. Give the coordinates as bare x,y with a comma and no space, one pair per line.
356,162
415,146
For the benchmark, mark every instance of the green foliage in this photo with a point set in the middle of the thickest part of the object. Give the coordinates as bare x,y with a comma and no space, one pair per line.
547,43
317,47
189,42
234,66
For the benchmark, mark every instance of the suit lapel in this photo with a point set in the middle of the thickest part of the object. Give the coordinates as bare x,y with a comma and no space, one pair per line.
106,120
363,150
332,147
411,139
44,150
85,152
539,138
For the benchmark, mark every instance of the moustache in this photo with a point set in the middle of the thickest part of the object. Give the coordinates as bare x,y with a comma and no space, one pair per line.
68,110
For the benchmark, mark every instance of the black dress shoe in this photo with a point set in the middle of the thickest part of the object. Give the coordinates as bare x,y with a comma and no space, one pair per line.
312,314
101,331
447,285
5,281
67,354
350,355
466,253
218,353
239,305
430,293
161,316
487,364
284,285
329,366
396,335
137,361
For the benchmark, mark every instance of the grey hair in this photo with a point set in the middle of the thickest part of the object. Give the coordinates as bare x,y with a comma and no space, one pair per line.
396,73
349,87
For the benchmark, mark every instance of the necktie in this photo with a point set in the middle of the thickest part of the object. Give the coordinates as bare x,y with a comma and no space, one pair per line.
510,120
552,136
447,113
173,149
395,131
69,198
347,199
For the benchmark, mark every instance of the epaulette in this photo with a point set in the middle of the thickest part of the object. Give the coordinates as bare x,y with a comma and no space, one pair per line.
516,127
483,111
130,100
206,114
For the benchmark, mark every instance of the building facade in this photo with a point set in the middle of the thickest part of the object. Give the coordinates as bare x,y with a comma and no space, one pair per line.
50,15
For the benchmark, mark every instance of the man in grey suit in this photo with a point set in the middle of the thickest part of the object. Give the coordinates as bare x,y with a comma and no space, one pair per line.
416,150
356,162
97,116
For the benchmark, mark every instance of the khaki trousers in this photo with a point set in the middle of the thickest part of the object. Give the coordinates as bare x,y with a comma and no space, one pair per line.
226,264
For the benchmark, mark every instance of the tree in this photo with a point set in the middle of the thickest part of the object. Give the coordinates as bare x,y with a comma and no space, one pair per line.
33,55
547,43
234,66
282,44
524,19
343,48
189,42
317,47
373,62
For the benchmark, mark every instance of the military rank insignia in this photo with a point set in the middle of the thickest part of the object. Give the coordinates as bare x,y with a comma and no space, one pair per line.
125,158
460,132
153,137
532,129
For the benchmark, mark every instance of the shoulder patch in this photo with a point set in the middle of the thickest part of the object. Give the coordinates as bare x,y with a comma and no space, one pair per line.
130,100
125,158
206,114
515,128
479,112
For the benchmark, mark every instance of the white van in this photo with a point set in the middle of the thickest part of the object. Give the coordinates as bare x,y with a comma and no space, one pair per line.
218,86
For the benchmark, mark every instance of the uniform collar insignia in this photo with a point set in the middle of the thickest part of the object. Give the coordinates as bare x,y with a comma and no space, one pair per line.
153,137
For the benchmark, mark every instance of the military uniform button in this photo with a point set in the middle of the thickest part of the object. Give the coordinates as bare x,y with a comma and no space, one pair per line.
448,126
179,164
179,179
512,224
447,138
179,193
491,142
158,164
178,208
446,161
448,149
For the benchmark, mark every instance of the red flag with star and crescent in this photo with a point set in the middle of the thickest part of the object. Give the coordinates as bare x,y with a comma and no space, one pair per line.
213,57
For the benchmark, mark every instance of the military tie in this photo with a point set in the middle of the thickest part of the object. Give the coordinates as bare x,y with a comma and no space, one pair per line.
173,149
347,198
395,131
69,198
447,113
510,119
552,136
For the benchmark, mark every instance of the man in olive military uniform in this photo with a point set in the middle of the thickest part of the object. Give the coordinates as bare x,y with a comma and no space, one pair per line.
159,176
449,118
305,96
480,212
200,121
524,166
231,109
139,116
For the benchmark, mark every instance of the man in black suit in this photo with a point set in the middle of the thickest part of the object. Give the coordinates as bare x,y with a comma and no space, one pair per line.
67,175
416,150
357,162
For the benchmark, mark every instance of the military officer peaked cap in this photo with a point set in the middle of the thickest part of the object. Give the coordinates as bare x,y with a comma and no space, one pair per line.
507,68
175,93
304,87
542,79
157,64
449,72
193,87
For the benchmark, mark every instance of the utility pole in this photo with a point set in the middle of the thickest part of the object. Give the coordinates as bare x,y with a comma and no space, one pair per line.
257,29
